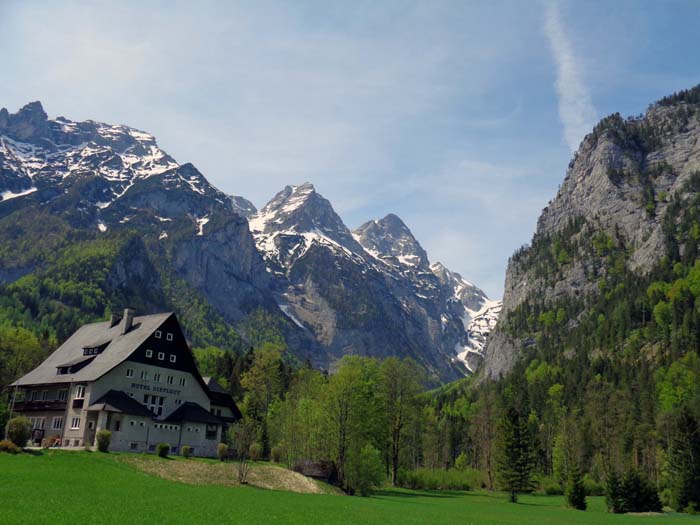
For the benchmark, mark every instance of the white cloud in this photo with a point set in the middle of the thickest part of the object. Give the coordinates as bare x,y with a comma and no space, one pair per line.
576,108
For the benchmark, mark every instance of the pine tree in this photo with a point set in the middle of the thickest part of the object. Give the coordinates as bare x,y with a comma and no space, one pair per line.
613,494
684,461
515,459
575,493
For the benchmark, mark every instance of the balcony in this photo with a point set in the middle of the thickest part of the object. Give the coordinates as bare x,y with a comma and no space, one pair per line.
39,405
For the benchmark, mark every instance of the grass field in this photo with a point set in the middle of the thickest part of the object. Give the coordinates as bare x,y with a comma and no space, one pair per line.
82,487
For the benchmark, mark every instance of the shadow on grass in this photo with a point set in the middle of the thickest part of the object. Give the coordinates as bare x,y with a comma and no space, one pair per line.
389,493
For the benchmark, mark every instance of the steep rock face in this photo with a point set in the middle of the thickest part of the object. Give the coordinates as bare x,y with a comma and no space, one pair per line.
369,292
619,184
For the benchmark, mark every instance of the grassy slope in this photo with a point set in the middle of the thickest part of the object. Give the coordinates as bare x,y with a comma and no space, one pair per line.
78,487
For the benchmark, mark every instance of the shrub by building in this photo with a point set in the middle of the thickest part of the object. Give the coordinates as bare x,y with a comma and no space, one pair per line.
103,439
163,449
222,451
19,430
186,451
9,447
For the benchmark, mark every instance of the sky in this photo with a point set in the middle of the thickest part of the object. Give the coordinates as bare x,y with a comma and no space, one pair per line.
460,117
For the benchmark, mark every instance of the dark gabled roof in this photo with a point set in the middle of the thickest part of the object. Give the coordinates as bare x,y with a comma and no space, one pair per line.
220,397
213,385
76,361
118,348
194,413
118,401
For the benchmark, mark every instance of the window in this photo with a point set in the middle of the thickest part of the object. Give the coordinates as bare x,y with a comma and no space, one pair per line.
151,448
170,380
144,375
117,425
129,372
37,423
141,423
158,334
149,353
182,381
132,423
169,336
44,395
178,401
156,378
174,449
173,357
161,355
154,403
57,423
35,395
62,395
80,392
133,446
211,431
76,442
91,425
75,423
189,429
131,394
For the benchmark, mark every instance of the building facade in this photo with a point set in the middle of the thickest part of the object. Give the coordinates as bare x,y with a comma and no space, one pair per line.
134,376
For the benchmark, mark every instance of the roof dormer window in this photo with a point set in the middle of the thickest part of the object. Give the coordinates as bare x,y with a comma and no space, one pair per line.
158,334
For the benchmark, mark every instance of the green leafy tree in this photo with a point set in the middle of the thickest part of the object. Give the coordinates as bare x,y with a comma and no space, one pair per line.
400,384
365,471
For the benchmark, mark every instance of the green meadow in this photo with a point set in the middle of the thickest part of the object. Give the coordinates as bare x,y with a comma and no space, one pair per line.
83,487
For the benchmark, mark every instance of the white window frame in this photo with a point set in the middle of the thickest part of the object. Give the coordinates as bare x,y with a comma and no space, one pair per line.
171,379
129,372
149,352
38,423
35,395
79,392
161,356
173,358
169,336
57,423
144,375
63,395
182,381
44,395
75,423
158,334
156,378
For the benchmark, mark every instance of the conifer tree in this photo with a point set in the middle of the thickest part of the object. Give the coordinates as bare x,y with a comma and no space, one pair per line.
575,492
515,459
684,461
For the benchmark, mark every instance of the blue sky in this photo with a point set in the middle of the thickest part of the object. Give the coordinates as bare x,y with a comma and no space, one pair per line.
460,117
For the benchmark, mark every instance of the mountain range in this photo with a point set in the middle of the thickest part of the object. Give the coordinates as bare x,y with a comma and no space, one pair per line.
172,240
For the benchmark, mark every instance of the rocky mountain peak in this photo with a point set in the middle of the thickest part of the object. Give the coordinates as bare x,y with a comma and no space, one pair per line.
300,210
30,122
390,238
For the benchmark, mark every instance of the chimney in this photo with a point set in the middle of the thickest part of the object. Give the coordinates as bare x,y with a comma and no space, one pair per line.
127,320
114,319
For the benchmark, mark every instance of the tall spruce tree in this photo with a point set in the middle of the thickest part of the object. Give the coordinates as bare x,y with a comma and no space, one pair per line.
515,459
684,461
575,492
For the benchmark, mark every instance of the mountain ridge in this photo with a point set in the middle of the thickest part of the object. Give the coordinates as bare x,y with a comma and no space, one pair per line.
332,291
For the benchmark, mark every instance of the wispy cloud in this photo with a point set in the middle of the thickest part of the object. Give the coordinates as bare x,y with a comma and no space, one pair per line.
576,108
